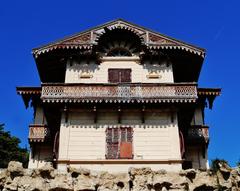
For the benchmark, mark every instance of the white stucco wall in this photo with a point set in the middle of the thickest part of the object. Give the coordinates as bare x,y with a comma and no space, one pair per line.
123,168
82,143
42,154
157,139
99,73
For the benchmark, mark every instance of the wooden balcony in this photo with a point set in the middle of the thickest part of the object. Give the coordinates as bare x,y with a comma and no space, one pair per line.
132,92
38,132
198,134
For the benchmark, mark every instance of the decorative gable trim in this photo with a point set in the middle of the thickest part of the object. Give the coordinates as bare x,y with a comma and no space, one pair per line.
89,38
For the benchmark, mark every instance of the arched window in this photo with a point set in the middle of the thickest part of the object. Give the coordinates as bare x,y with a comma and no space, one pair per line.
119,43
119,51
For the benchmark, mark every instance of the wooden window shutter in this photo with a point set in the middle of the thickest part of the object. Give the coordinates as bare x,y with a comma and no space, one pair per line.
112,137
125,75
109,135
113,76
126,151
129,134
119,143
115,135
119,75
112,151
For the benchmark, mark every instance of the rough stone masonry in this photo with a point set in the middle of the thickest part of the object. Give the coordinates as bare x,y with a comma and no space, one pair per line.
15,177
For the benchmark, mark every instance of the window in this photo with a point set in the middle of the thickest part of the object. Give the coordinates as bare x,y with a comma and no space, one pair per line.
119,51
119,75
119,143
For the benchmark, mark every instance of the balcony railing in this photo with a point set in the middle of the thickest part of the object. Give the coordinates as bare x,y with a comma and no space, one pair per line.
119,92
198,133
38,133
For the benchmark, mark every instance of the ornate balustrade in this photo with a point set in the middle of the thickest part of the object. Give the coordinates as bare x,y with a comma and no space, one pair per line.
119,92
38,132
198,133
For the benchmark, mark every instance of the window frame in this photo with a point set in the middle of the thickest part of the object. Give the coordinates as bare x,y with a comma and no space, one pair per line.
110,145
119,50
120,79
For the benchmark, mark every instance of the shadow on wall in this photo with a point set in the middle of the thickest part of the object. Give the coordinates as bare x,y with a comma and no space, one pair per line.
83,66
157,67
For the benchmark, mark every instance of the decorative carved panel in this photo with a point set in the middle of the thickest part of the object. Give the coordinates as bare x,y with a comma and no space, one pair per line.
123,91
38,132
82,39
159,40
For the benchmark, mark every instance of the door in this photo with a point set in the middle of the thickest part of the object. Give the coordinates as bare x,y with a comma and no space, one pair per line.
119,75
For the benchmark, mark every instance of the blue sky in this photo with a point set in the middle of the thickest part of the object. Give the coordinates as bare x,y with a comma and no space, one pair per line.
213,25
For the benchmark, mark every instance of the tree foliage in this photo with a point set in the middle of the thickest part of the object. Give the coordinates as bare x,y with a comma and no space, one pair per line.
238,164
10,149
216,162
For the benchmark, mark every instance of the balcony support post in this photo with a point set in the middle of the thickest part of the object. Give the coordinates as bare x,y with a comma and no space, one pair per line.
95,113
119,114
143,114
65,110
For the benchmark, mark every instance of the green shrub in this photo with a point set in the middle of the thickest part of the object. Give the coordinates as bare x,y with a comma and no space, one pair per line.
10,149
215,164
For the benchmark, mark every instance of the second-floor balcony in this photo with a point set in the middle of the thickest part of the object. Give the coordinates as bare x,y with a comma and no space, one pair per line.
38,132
139,92
198,134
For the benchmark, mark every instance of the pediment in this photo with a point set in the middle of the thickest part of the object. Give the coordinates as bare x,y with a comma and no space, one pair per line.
89,38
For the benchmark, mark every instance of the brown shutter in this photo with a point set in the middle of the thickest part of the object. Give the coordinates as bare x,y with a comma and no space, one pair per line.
126,150
125,75
129,134
109,135
113,76
123,135
126,143
112,151
113,140
126,134
112,136
119,75
115,135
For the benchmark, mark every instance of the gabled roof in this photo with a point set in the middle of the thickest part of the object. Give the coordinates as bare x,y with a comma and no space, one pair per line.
87,39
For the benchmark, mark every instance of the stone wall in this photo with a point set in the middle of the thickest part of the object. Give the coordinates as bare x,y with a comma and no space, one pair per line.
15,177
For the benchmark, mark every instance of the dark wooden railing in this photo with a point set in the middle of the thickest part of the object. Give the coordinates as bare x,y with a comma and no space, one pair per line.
198,133
119,91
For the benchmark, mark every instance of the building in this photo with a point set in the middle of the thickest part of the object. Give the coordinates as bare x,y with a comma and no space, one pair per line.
119,95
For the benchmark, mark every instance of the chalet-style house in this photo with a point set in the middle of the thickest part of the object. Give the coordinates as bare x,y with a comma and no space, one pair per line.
118,96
